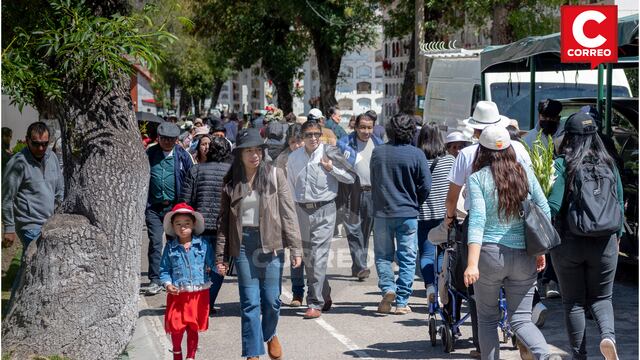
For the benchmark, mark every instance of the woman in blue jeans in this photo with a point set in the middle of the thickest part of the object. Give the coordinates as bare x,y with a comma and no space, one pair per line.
257,222
586,266
497,252
433,210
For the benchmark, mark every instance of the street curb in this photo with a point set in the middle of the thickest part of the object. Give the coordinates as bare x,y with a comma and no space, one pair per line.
149,340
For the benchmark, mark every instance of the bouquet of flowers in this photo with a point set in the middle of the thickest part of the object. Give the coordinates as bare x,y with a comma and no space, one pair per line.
542,163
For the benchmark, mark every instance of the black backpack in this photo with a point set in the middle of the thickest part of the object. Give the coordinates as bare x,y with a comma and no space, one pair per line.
593,207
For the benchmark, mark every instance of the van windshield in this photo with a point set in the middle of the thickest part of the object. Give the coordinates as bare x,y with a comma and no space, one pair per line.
513,99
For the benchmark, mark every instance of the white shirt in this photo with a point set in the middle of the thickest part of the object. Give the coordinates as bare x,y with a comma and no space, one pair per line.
310,181
363,159
463,166
249,207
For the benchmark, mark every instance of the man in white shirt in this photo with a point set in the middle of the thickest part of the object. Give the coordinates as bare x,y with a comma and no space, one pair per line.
313,172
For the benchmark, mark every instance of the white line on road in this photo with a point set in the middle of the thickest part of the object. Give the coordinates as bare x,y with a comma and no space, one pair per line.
337,335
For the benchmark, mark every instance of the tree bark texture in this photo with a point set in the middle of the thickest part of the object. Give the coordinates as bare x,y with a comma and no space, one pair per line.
407,97
78,293
328,69
283,91
501,30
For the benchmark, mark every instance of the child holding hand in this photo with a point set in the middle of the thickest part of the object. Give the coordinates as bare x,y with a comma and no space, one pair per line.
186,260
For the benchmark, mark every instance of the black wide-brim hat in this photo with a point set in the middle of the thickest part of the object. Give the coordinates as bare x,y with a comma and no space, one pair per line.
249,138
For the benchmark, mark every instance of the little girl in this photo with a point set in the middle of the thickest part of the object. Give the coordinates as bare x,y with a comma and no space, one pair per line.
185,262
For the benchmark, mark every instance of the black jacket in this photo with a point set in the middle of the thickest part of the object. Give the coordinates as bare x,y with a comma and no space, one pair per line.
202,189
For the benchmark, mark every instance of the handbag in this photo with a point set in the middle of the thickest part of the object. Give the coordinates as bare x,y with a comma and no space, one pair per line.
539,234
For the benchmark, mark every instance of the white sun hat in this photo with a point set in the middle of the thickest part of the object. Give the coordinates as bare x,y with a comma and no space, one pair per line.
486,113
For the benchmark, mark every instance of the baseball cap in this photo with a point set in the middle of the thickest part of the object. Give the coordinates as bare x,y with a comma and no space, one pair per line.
580,124
315,114
495,137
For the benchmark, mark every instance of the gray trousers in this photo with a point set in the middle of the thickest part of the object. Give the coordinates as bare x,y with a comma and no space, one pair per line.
514,270
586,269
358,233
316,228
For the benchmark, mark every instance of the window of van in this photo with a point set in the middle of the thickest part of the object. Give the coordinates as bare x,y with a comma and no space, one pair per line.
513,99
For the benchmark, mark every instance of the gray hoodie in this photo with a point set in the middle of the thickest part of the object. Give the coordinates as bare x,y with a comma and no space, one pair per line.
30,190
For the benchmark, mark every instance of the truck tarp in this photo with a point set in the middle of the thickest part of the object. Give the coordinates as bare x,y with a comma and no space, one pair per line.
545,50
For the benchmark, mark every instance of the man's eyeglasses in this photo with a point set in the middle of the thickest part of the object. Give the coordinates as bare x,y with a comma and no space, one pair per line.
39,143
310,135
165,138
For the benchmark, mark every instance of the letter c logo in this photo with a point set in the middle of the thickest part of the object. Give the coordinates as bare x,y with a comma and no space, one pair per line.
578,29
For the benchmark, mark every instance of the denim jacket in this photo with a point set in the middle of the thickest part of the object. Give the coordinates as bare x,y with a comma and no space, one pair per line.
187,269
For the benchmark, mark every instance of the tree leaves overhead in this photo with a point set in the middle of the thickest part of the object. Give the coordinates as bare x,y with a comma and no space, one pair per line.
71,46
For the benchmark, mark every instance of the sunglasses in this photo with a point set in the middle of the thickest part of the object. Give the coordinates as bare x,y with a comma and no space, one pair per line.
39,143
310,135
165,138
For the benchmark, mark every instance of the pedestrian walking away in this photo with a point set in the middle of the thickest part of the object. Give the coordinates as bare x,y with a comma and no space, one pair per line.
187,296
433,210
357,148
497,256
586,261
202,190
402,184
313,172
169,165
257,222
485,114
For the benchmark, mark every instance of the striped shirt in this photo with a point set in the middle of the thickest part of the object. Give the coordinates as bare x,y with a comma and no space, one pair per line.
434,208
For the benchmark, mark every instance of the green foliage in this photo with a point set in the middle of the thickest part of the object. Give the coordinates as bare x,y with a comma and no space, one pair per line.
542,162
401,18
72,47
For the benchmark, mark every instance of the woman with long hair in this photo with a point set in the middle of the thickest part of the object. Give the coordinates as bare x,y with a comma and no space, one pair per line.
202,190
586,265
200,156
257,221
433,210
497,252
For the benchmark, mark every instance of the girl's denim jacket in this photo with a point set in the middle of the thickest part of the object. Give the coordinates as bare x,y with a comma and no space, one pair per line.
187,270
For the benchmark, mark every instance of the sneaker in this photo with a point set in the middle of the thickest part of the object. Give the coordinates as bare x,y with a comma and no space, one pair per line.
431,294
363,274
539,314
551,290
608,349
153,289
403,310
384,306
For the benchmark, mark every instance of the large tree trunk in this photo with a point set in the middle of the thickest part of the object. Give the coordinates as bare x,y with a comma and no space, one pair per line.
501,30
78,294
283,91
407,98
328,69
215,94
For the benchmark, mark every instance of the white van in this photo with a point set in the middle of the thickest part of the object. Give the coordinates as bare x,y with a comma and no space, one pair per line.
453,89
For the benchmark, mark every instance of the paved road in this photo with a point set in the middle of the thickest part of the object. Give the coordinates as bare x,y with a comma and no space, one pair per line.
352,329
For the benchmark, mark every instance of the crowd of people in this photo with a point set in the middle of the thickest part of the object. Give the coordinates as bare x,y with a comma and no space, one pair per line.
227,195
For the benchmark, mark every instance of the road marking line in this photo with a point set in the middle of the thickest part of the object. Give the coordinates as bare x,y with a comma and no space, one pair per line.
348,343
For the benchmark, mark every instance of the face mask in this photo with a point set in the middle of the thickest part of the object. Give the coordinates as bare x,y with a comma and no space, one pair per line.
548,127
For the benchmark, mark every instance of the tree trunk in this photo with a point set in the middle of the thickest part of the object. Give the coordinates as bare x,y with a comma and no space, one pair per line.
407,98
78,295
184,103
283,91
217,88
328,69
501,30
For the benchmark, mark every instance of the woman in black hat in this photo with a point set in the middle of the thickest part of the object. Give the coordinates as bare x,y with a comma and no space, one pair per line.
586,260
257,221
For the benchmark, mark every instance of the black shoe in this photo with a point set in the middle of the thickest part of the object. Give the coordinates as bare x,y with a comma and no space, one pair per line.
363,274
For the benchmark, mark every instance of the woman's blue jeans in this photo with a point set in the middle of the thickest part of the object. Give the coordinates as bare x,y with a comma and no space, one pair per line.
427,251
260,285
